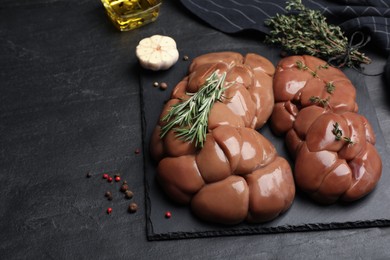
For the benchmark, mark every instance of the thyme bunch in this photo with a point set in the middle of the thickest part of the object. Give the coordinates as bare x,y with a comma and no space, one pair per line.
306,31
189,118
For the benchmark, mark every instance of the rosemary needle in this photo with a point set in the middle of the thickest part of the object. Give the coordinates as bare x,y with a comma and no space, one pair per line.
189,118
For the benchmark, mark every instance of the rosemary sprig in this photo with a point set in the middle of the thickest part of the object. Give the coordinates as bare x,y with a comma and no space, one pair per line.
189,118
306,31
338,133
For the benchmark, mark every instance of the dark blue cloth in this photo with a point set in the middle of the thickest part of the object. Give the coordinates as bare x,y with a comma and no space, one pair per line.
231,16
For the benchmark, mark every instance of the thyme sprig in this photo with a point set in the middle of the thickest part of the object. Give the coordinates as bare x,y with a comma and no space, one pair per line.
330,87
324,102
189,118
338,133
303,67
306,31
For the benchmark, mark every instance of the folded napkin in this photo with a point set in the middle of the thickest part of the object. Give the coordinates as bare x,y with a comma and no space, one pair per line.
232,16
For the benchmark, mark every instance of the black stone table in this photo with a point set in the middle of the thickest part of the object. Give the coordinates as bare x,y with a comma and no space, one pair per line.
70,104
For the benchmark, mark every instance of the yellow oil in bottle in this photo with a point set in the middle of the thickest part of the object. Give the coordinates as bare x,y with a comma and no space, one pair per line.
131,14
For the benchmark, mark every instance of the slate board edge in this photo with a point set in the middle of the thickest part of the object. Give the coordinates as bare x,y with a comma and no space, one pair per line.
268,230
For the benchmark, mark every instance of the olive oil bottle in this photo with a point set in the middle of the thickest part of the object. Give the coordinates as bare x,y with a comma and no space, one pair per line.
131,14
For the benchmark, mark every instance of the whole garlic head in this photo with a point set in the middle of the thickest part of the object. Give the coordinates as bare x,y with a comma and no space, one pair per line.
157,52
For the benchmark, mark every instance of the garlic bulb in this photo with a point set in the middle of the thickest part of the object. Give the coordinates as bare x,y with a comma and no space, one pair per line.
157,52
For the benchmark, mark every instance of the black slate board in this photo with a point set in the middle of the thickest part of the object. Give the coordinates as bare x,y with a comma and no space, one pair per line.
304,214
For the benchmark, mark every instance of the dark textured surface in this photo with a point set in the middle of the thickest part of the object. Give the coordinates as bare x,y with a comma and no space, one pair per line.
69,103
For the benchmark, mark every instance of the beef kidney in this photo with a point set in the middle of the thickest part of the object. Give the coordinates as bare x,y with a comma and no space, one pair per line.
237,175
302,81
333,146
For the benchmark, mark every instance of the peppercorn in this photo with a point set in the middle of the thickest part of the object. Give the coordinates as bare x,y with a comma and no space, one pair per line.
105,176
89,175
109,210
108,195
163,85
117,178
124,187
109,179
137,151
185,57
283,54
133,207
168,214
155,84
129,194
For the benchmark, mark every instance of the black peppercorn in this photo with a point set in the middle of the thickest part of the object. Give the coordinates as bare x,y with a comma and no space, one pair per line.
283,54
163,85
133,207
124,187
129,194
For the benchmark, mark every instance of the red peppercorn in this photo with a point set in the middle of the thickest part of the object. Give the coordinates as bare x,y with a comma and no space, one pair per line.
105,176
109,210
168,214
109,179
117,178
137,151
